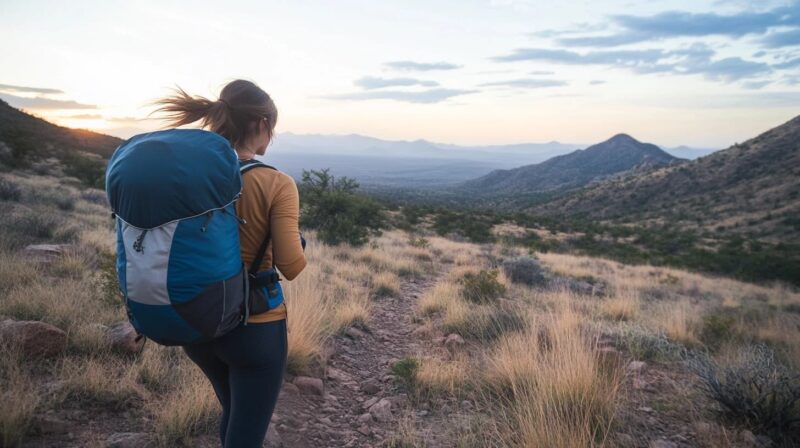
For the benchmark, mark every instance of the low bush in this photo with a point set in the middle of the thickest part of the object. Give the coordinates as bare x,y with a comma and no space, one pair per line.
754,390
334,209
9,191
525,270
482,287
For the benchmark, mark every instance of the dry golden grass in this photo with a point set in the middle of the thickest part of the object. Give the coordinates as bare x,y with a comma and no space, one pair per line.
680,321
18,394
98,380
385,284
439,298
191,409
623,305
309,321
557,392
435,376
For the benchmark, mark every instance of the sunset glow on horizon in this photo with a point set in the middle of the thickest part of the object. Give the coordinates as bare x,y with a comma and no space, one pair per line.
676,72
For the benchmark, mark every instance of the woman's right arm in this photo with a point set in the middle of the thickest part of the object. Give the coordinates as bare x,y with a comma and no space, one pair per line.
285,229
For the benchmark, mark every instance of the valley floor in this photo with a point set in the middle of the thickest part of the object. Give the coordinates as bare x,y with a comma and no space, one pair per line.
412,340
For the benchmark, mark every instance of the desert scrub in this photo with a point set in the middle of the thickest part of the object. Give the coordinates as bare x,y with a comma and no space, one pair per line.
753,389
9,191
482,323
648,345
482,287
524,270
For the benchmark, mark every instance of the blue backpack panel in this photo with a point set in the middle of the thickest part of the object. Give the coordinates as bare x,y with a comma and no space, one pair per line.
180,270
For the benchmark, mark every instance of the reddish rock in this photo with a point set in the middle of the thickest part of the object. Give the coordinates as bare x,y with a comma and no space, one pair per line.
122,337
454,342
382,410
309,385
34,337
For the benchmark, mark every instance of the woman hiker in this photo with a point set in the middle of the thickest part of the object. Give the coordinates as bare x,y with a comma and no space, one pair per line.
246,365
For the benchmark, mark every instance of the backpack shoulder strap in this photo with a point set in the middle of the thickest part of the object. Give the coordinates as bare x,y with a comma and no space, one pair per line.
245,166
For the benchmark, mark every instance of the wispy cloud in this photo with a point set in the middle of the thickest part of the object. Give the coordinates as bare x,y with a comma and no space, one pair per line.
83,117
596,82
420,66
526,83
696,59
371,82
782,39
44,103
422,96
23,89
670,24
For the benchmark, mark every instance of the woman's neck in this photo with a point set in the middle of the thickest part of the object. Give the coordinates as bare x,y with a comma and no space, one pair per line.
245,154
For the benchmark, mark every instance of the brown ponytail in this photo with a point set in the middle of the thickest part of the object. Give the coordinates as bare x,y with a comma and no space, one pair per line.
235,115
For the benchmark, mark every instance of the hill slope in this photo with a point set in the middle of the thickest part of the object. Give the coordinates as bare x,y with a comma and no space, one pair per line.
616,155
26,140
750,189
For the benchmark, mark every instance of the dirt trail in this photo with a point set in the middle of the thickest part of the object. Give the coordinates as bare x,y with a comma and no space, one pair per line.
361,404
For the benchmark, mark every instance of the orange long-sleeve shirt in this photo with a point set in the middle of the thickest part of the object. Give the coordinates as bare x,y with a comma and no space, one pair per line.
270,200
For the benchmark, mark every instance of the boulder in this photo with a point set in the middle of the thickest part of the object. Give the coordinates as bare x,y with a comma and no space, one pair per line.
382,410
34,337
129,440
122,337
45,252
370,388
454,342
354,333
309,385
635,367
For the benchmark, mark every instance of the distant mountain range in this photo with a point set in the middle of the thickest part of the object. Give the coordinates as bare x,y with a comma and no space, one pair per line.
750,189
621,153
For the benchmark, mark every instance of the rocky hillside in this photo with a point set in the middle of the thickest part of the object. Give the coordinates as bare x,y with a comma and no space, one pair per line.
750,189
616,155
28,141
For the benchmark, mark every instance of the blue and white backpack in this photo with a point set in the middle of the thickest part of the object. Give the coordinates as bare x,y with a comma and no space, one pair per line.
179,265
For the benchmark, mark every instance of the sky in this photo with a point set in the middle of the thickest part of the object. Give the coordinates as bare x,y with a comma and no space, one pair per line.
704,73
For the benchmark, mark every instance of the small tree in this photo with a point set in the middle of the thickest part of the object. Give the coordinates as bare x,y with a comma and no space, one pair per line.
333,208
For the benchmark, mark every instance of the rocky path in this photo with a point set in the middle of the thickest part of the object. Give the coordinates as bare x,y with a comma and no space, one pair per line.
358,403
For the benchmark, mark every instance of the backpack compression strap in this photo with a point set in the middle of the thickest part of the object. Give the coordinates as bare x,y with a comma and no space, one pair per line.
245,166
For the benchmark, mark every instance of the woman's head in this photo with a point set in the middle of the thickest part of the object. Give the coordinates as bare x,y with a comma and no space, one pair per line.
244,114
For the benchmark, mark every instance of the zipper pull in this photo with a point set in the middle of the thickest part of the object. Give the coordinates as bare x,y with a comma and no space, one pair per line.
208,219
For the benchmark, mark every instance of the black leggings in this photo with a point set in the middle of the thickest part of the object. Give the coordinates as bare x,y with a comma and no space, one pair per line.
245,367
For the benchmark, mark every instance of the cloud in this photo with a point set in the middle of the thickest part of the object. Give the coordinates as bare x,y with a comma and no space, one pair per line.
420,97
670,24
371,82
22,89
541,72
782,39
43,103
526,83
756,85
791,63
83,117
596,82
624,57
420,66
696,59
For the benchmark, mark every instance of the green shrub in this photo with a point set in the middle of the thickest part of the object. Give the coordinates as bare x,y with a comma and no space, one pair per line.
753,390
482,287
405,370
339,215
9,191
645,345
717,328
